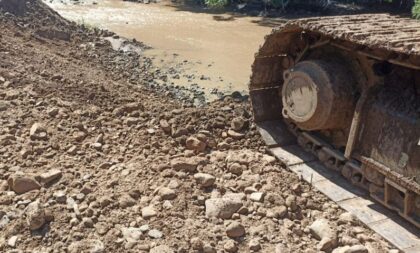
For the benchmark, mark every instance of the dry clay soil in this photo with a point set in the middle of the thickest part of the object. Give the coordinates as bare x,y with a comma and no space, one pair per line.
92,159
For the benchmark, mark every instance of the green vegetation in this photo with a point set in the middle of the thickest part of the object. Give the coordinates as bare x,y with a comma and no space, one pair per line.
217,3
320,4
416,9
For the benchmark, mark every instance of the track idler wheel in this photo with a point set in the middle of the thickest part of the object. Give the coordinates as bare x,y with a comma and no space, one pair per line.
318,95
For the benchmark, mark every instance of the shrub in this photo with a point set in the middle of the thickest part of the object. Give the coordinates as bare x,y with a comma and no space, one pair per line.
416,9
216,3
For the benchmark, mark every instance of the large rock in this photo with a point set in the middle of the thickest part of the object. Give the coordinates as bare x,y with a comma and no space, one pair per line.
23,183
225,206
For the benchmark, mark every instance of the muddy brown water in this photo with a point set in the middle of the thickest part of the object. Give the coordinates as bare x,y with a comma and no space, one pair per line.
212,51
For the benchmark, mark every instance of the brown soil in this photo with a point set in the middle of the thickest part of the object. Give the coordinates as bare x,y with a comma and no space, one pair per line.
72,106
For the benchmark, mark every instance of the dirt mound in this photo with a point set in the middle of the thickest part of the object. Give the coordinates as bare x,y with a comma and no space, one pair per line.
94,160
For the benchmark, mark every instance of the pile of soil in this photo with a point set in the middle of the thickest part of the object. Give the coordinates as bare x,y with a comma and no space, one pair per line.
93,159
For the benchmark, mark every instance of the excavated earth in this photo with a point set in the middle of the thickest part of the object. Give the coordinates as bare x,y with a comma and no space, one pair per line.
93,159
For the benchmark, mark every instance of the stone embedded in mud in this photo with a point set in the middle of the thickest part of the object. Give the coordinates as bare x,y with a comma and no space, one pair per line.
223,207
195,144
23,183
184,164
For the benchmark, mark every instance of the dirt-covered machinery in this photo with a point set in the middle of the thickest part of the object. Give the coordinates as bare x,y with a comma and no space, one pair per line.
348,89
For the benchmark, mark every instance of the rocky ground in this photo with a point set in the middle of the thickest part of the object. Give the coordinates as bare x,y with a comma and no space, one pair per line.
95,159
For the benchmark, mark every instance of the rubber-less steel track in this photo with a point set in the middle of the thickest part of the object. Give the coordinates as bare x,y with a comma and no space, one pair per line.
380,37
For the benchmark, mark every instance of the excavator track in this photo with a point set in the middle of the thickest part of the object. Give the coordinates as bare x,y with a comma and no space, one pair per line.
380,51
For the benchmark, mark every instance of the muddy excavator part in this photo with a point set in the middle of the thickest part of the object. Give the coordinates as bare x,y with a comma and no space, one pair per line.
343,93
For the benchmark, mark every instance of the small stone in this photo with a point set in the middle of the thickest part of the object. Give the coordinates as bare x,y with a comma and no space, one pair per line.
322,231
167,193
60,197
144,228
235,168
196,243
237,124
148,212
223,207
195,144
23,183
87,245
165,126
347,217
230,246
235,135
38,132
205,180
161,249
12,241
207,248
235,229
49,177
254,245
291,202
280,248
131,234
35,215
87,222
257,196
53,112
184,164
155,234
351,249
277,212
126,201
